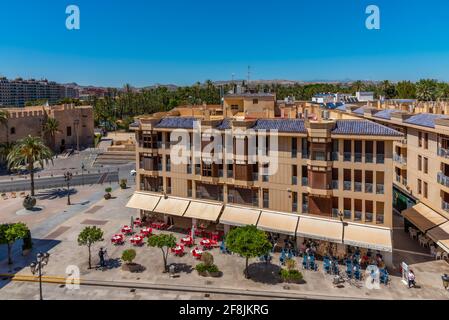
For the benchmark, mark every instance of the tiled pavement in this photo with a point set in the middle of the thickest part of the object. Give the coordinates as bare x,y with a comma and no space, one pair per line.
65,251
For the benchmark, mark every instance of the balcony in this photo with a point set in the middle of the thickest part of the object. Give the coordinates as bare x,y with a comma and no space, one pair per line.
294,180
357,157
347,185
347,156
369,158
357,186
368,217
334,156
347,214
358,215
380,189
255,176
304,181
399,159
335,212
230,173
334,184
445,205
368,187
443,179
305,208
305,154
443,152
294,207
380,158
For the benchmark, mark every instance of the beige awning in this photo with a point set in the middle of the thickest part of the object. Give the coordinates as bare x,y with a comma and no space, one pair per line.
440,235
366,236
423,217
172,206
143,201
203,210
320,229
278,222
239,216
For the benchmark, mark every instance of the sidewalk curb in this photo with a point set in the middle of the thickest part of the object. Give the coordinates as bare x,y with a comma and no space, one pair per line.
182,288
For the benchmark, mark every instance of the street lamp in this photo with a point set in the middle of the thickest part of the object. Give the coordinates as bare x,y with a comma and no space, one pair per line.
36,267
340,215
67,177
82,172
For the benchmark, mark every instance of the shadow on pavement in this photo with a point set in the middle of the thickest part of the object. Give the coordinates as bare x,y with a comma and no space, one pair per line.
266,273
54,194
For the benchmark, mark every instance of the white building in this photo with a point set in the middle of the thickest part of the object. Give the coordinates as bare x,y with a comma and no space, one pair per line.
364,96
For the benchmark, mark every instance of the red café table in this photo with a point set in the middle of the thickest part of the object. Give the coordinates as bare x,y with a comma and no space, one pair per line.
116,239
136,240
187,241
178,250
146,231
138,222
197,253
127,229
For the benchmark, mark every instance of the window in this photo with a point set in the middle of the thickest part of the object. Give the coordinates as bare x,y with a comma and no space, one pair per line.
426,140
420,139
255,101
425,190
419,163
294,201
419,186
266,198
426,165
168,191
294,147
69,131
207,169
12,130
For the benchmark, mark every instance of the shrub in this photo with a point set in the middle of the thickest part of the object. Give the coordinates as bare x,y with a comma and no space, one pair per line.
213,268
129,255
108,189
208,259
123,183
201,267
290,264
291,275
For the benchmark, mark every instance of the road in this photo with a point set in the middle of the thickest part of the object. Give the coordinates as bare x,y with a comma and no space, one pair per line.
59,181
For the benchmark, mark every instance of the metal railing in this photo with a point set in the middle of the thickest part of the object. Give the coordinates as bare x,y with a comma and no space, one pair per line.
368,217
445,205
347,214
347,185
442,152
334,184
357,186
399,159
334,156
305,181
380,189
443,179
380,158
347,156
368,187
357,157
305,208
265,178
294,180
369,158
255,176
230,173
357,215
335,212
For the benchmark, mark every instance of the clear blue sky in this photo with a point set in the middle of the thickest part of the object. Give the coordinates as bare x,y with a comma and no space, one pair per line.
182,41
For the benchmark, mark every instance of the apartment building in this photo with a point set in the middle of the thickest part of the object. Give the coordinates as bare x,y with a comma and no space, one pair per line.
420,164
15,93
76,125
333,182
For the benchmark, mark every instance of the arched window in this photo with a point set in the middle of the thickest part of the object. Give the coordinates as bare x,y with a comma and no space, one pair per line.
12,130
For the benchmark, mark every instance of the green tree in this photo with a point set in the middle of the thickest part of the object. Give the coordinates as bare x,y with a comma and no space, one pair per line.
10,233
26,152
50,129
442,91
129,255
163,242
249,242
88,237
406,90
4,116
5,149
426,89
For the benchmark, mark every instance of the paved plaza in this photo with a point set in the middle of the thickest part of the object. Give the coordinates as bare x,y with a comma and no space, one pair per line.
56,228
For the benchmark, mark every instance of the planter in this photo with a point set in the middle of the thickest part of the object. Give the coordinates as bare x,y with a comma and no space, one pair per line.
107,196
216,274
203,273
29,202
123,186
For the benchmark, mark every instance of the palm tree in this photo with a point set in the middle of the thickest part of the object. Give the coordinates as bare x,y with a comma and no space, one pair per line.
4,115
426,90
26,152
5,149
51,128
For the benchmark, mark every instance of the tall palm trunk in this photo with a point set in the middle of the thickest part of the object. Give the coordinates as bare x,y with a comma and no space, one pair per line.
31,168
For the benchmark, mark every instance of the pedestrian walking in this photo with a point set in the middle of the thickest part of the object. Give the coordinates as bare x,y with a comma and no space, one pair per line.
101,254
411,278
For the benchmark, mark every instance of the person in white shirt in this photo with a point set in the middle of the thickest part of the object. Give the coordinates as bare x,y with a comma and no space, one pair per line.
411,279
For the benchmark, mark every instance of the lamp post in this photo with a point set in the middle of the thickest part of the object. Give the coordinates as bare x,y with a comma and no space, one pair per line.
340,215
82,172
67,177
36,267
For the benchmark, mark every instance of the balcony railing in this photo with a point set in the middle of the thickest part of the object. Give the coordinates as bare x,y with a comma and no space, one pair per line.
304,181
445,205
368,187
357,186
380,189
379,218
346,156
368,217
265,178
159,167
380,158
443,179
189,193
442,152
357,215
197,170
189,169
335,212
220,173
294,207
167,167
230,173
305,154
357,157
334,184
305,208
399,159
347,185
334,156
255,176
159,144
368,158
294,180
347,214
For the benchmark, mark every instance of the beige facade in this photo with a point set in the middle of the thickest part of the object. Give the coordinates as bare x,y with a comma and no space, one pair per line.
76,125
328,169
